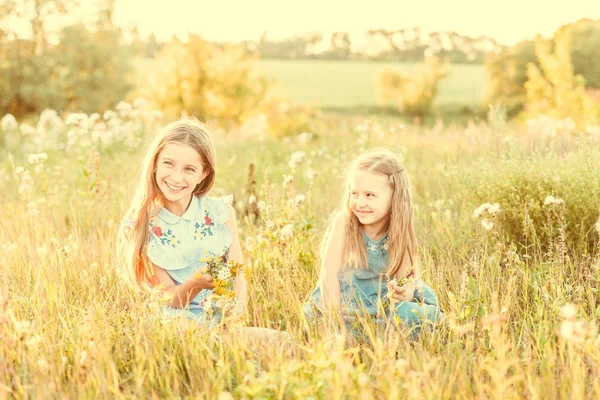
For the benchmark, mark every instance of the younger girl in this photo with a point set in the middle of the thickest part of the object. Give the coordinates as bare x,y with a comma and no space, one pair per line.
370,245
172,223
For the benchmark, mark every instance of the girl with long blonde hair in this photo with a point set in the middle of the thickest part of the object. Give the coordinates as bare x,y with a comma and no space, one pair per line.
172,223
369,255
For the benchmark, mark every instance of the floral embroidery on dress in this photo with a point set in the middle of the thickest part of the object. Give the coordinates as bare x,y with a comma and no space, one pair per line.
204,229
166,238
382,246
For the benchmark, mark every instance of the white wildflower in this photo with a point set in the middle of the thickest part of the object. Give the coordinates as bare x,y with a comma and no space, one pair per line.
139,103
286,233
108,115
287,180
9,123
487,224
306,137
299,200
124,107
568,311
76,119
296,159
37,158
224,274
553,201
27,129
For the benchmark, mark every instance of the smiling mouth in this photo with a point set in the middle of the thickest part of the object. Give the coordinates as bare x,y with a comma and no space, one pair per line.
174,188
362,212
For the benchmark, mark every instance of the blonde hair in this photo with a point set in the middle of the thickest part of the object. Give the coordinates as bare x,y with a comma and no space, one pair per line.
148,198
402,241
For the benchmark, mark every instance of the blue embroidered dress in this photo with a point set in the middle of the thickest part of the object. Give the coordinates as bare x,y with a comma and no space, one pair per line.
364,291
177,244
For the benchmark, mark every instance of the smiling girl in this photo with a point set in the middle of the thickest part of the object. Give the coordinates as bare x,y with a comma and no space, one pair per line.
370,245
172,223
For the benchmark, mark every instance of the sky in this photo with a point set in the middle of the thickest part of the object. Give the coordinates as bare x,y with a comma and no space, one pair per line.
508,21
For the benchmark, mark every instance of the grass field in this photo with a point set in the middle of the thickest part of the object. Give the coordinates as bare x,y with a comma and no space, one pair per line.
350,85
520,297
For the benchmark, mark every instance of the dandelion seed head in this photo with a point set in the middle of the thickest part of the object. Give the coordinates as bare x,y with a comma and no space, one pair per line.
9,123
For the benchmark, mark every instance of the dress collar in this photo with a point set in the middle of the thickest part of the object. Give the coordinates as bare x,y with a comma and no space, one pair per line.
188,215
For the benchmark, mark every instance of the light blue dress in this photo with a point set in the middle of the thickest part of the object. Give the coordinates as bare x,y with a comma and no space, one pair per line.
179,243
364,291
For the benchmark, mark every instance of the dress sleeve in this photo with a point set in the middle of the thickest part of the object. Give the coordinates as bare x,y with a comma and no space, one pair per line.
222,209
223,234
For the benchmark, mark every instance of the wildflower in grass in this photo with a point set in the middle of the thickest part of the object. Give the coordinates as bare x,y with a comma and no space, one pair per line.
306,137
124,108
9,123
286,233
108,115
26,129
299,200
76,119
568,311
296,159
487,212
139,103
287,180
553,201
487,224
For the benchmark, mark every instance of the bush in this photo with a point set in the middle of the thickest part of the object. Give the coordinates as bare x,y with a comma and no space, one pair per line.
520,186
553,89
413,95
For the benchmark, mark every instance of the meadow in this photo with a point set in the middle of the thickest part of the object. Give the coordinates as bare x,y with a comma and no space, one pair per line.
519,288
339,85
347,87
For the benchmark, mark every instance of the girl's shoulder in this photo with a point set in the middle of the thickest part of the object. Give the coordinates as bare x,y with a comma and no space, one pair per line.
215,208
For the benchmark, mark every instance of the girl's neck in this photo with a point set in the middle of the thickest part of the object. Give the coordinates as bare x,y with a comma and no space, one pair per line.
177,207
377,231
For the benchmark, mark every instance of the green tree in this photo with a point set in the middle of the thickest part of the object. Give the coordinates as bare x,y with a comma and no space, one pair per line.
90,69
584,45
507,74
85,71
507,69
553,88
207,80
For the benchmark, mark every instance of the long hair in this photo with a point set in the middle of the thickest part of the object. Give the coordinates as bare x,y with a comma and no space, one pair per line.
148,198
402,240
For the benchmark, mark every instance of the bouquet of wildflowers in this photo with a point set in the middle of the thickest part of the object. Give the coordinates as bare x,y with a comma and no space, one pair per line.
409,277
223,272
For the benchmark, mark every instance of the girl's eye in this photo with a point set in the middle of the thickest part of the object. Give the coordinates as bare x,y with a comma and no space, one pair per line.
354,194
190,169
167,163
370,195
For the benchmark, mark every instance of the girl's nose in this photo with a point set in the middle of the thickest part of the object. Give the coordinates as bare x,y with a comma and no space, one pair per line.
176,176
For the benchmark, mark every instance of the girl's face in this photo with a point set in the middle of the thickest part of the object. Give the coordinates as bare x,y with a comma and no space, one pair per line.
178,170
370,198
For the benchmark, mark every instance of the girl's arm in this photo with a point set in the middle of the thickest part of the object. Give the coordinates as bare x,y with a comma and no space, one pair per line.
235,254
184,293
330,267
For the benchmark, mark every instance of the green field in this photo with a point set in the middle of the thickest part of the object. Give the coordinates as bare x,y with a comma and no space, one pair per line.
345,84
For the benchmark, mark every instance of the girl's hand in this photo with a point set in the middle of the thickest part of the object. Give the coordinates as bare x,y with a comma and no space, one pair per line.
398,293
205,282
